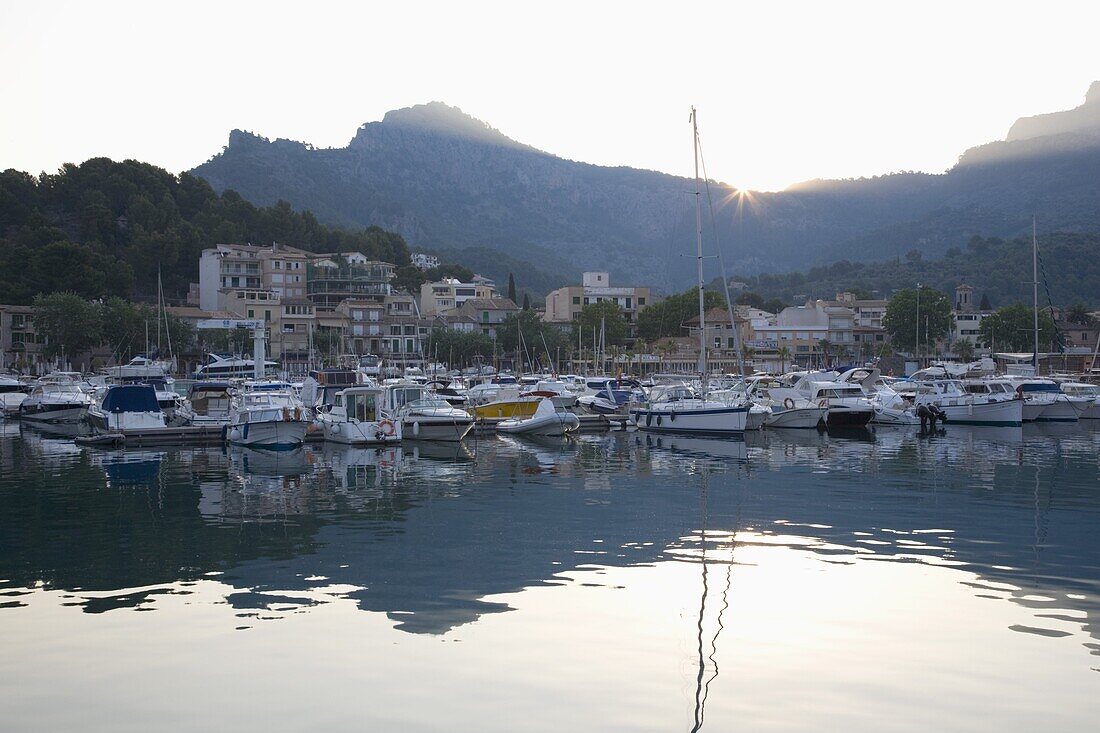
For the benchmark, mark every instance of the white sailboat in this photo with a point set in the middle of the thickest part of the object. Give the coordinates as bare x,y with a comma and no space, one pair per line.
680,410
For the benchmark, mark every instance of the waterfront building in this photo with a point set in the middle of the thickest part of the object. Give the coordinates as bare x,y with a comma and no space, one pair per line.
449,293
288,272
20,347
334,278
564,305
802,329
483,314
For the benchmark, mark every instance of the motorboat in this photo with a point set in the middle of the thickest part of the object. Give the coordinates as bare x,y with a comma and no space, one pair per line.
890,407
140,368
128,407
563,397
1043,399
547,420
170,401
424,416
500,401
56,399
12,394
677,409
358,417
224,366
967,407
453,391
1081,390
208,403
790,411
847,403
267,415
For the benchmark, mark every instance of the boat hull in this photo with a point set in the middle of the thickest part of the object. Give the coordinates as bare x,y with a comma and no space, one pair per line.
434,428
803,418
359,433
53,414
1009,413
270,434
120,422
556,425
712,421
847,417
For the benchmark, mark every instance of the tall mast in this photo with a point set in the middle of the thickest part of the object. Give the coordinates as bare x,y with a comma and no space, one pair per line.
1035,292
699,256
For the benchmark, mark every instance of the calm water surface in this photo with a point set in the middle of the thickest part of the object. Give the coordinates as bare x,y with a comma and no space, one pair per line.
864,582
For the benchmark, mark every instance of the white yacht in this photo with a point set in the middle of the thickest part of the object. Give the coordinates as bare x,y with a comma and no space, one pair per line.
358,417
139,368
425,416
58,398
678,409
268,415
847,404
224,366
787,411
128,407
12,394
1043,399
1085,391
969,405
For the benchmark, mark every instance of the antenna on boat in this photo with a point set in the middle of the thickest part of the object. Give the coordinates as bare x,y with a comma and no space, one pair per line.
702,365
1035,292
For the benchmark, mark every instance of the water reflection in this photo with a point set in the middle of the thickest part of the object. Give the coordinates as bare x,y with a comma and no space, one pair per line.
432,536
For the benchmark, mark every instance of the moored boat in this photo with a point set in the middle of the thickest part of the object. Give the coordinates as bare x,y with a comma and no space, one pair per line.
546,420
358,417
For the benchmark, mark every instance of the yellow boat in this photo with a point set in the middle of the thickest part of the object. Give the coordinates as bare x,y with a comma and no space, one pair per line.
521,407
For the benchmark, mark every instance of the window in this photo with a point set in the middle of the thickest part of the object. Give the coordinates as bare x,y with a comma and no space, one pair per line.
576,300
267,316
641,302
409,346
628,303
484,316
251,314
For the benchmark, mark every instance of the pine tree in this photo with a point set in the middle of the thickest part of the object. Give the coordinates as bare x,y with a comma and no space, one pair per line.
511,288
526,301
984,305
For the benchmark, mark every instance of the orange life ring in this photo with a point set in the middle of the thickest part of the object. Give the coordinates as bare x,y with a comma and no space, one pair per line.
286,413
388,428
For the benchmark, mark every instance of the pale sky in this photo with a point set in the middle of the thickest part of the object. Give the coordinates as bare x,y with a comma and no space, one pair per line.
786,91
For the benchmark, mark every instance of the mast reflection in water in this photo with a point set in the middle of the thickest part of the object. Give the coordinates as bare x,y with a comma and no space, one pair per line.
880,580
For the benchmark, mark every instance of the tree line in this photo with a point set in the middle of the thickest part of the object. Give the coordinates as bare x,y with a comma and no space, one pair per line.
105,228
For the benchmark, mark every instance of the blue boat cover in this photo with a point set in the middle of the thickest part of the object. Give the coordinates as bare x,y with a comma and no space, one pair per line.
131,398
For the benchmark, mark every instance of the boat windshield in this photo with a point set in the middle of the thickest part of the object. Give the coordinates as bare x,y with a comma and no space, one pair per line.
429,403
672,394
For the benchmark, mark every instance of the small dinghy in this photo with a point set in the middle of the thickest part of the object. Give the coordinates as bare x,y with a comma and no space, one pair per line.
547,420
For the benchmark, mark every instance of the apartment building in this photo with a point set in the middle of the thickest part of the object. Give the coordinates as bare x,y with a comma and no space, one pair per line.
287,272
484,314
801,329
564,305
20,347
424,261
449,293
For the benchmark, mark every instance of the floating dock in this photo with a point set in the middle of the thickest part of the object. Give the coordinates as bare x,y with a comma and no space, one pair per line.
184,435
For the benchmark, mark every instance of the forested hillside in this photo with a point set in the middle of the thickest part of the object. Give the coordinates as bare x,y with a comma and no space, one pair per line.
104,228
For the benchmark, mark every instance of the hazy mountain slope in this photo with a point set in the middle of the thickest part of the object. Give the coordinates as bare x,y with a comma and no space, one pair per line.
446,181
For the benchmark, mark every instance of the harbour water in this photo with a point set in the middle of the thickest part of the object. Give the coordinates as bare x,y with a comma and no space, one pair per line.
869,581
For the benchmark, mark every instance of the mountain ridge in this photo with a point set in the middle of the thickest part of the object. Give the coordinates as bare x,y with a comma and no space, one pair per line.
447,181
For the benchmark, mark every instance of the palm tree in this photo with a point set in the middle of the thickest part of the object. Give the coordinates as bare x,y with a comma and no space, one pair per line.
1079,314
964,350
824,345
784,354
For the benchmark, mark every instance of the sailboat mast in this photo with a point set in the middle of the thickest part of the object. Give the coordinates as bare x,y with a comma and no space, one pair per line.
1035,291
699,255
